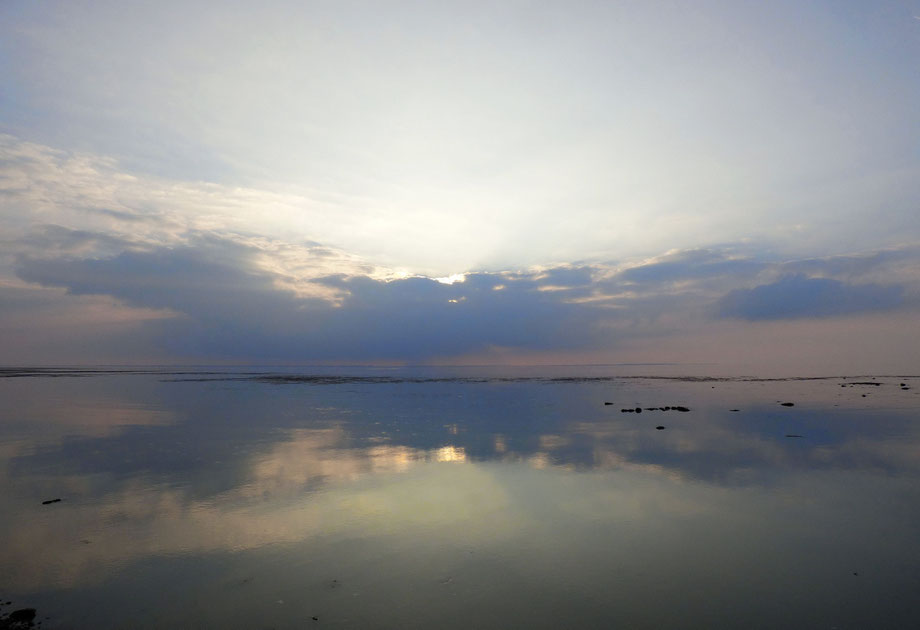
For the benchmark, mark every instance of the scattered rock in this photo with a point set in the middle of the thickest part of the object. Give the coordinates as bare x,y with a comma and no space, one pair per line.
23,615
639,409
788,404
660,428
50,501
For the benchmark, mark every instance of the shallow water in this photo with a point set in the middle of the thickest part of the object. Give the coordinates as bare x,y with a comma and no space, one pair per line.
485,498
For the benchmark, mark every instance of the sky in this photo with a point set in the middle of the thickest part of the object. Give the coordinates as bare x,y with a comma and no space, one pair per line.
728,184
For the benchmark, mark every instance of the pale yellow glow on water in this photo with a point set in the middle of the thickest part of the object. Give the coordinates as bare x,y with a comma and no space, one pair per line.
451,454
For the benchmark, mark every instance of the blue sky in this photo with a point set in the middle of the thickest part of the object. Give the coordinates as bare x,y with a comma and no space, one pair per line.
717,182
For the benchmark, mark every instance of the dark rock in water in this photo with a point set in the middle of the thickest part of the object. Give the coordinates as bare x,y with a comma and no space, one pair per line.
627,410
866,383
679,408
788,404
638,409
903,384
905,388
666,408
863,395
608,403
50,501
734,410
23,615
651,408
660,428
793,435
315,618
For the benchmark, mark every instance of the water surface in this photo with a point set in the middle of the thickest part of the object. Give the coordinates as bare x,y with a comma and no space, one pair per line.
485,498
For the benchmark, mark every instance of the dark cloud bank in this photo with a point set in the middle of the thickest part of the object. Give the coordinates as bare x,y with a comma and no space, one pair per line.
231,309
800,296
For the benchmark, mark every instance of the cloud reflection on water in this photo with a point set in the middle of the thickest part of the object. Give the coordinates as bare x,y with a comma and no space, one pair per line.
305,465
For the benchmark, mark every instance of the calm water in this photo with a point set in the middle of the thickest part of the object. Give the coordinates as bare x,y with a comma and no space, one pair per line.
458,499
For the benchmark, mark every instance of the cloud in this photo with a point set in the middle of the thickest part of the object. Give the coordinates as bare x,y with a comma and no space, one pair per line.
293,194
890,265
60,241
227,296
696,265
490,137
233,307
80,203
800,296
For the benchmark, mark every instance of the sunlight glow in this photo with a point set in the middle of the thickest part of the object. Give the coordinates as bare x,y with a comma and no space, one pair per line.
456,277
